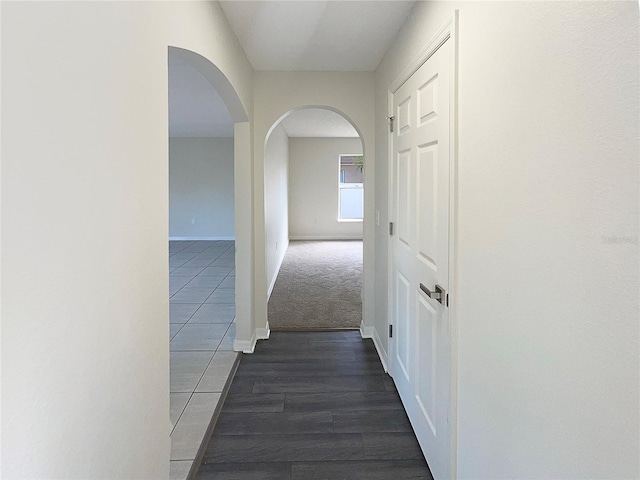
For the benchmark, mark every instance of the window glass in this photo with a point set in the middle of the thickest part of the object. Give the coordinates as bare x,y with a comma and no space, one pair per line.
350,182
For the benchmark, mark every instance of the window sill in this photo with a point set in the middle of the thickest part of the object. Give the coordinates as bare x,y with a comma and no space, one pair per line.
350,220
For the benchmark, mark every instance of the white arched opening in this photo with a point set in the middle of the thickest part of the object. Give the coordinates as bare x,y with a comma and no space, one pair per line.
210,140
313,213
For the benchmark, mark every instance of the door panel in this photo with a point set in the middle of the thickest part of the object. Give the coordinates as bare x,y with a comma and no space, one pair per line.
404,196
404,116
403,331
427,336
427,205
421,357
428,95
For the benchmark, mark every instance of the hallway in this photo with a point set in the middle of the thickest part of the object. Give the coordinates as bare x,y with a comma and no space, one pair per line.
313,405
540,140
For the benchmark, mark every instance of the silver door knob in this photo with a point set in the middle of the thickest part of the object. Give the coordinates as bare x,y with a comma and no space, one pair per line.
437,294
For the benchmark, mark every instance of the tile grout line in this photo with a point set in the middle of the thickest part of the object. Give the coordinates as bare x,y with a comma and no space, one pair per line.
181,413
205,368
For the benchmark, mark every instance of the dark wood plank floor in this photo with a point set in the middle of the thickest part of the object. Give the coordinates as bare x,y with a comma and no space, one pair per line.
313,405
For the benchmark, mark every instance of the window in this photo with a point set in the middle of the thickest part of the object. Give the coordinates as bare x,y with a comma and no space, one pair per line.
350,191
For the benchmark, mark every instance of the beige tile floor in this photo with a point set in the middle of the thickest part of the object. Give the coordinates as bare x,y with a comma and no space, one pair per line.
202,329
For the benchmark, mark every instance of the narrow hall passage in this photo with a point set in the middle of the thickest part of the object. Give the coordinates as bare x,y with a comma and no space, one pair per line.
313,405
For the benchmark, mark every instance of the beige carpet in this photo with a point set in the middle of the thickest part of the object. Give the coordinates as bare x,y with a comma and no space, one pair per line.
319,286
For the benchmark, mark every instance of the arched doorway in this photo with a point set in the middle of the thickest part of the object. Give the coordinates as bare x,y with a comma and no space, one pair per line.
207,231
307,152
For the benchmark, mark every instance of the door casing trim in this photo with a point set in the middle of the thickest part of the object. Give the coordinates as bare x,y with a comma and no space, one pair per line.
449,31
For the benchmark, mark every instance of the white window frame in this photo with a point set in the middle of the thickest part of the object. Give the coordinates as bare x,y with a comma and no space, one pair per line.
342,186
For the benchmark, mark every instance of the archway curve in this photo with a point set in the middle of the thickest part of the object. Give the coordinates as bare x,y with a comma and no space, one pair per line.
243,182
366,184
243,217
318,107
216,78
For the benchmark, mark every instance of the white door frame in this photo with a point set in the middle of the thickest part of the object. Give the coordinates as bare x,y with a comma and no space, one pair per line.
449,31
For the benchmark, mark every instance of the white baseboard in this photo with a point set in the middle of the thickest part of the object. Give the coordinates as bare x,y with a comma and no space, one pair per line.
245,346
275,276
381,352
195,237
325,237
372,333
263,333
248,346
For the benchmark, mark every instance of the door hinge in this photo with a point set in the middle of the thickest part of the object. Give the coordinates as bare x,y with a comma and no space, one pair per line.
390,331
391,119
390,228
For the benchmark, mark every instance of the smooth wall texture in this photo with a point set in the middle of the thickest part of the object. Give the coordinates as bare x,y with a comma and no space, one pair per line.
278,93
85,345
547,234
201,188
276,174
313,189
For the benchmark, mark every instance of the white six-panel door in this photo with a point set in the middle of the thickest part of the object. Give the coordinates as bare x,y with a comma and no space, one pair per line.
420,347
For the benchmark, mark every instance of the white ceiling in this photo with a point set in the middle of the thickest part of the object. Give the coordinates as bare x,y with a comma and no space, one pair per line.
195,108
332,35
317,122
316,35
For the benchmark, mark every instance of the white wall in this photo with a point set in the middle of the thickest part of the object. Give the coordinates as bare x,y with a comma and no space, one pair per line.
313,188
275,95
546,301
84,334
201,188
276,174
